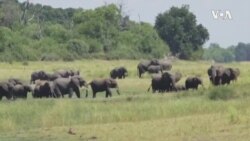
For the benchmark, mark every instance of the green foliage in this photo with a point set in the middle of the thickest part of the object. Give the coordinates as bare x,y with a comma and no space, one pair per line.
242,52
179,29
218,54
44,33
222,93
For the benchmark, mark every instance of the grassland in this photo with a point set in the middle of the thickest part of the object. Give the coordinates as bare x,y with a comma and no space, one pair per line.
134,115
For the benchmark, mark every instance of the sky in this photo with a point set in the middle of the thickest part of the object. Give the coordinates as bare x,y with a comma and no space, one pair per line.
224,30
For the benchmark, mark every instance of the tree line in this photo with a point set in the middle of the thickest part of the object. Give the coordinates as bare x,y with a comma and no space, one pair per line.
38,32
239,52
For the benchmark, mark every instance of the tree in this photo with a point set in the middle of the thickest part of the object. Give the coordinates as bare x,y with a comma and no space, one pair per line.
218,54
179,29
242,52
9,13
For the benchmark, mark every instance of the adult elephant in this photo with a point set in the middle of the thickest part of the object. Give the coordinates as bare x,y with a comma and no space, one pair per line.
215,73
142,67
6,90
165,65
219,75
15,81
38,75
156,84
63,86
21,91
154,69
193,82
165,82
118,72
66,73
100,85
228,75
43,89
51,76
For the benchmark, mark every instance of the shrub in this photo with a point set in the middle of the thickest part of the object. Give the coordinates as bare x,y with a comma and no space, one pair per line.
49,57
222,93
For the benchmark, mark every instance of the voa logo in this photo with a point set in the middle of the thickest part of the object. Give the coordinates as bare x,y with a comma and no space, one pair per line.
222,14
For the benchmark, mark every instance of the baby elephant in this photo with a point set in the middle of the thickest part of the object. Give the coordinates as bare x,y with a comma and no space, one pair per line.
101,85
193,82
180,87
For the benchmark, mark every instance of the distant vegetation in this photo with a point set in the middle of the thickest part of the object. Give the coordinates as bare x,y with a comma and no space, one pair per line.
34,32
30,32
240,52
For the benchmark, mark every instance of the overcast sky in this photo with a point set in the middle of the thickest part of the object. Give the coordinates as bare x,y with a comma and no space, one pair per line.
225,32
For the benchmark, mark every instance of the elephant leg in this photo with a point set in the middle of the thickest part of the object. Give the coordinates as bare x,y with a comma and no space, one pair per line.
70,93
58,93
108,93
94,94
1,97
77,91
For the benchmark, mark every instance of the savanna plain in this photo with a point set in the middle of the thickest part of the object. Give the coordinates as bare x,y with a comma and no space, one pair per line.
208,114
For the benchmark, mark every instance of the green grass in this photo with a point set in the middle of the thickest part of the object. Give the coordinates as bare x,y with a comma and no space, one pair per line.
206,114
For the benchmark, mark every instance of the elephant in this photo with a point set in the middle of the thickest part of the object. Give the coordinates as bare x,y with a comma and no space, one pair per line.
119,72
154,69
15,81
180,87
51,77
100,85
67,73
228,75
165,65
219,75
73,73
142,67
43,89
169,80
165,82
236,71
156,84
6,89
193,82
38,75
20,91
63,86
215,73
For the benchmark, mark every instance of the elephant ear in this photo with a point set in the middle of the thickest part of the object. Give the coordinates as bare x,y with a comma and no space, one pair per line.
27,88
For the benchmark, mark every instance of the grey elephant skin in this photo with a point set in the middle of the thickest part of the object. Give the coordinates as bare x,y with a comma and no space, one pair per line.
218,75
21,91
165,82
193,82
119,72
43,89
100,85
63,86
154,69
143,66
66,73
6,90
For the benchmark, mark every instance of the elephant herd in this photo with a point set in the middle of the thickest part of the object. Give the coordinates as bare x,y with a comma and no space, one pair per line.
218,75
67,82
55,85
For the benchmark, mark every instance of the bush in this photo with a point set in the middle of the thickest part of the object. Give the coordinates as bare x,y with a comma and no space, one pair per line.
222,93
49,57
